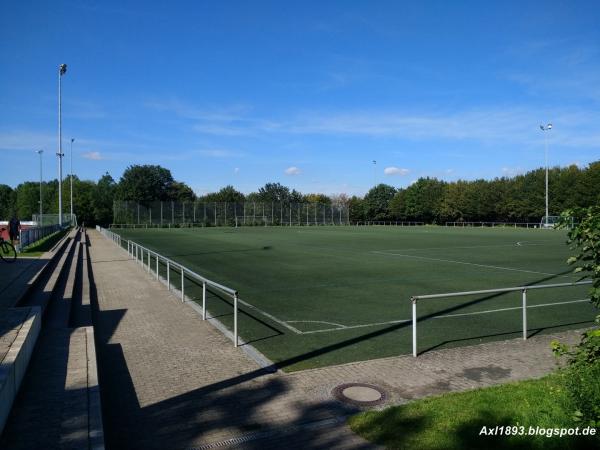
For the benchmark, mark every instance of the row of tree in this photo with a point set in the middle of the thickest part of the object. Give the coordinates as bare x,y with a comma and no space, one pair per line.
520,198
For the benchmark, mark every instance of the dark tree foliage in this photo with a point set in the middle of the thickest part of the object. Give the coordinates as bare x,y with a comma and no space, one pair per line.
181,192
6,201
317,198
517,199
145,184
276,192
377,202
103,198
227,194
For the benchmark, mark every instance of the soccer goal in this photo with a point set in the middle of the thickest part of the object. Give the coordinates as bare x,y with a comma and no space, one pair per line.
549,221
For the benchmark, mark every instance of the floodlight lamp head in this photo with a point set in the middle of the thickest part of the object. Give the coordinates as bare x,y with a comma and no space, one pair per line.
39,152
549,126
542,127
72,140
62,69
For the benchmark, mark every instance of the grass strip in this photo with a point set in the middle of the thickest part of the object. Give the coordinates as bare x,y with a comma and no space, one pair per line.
43,245
455,420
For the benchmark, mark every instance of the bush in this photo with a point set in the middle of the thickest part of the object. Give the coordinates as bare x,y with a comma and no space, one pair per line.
583,372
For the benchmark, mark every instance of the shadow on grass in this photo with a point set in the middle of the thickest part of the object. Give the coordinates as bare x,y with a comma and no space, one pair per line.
531,332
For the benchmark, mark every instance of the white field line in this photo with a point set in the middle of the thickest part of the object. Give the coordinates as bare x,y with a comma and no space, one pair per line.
516,244
510,309
341,327
270,316
350,327
391,322
317,321
469,264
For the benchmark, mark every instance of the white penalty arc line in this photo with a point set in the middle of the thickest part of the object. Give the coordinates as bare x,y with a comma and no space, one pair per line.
470,264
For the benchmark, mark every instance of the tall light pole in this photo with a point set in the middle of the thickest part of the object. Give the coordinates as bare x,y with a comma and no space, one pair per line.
62,69
545,129
374,173
39,152
71,178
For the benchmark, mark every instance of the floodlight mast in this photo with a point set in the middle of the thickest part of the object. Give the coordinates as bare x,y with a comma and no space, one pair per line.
71,178
374,173
41,221
545,129
62,69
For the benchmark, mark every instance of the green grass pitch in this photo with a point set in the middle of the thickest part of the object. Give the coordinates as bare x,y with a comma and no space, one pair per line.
331,295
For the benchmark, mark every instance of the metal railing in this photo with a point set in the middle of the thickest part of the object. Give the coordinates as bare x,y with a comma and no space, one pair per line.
482,224
144,256
523,289
388,223
30,236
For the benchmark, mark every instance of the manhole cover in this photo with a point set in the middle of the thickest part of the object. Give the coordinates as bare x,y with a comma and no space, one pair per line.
359,394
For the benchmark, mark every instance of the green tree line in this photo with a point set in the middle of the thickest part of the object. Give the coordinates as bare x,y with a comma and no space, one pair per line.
511,199
507,199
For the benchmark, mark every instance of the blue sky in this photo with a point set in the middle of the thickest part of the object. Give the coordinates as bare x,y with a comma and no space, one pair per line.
304,93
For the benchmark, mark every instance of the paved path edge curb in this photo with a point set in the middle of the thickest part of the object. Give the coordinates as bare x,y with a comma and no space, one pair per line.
14,365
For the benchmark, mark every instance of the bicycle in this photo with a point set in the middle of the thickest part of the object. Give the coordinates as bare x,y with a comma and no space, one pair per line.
7,250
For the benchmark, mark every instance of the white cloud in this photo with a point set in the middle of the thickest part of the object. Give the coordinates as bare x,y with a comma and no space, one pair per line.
512,171
96,156
395,171
293,170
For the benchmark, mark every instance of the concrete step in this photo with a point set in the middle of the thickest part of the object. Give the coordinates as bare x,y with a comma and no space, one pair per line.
41,294
81,313
59,308
31,275
58,404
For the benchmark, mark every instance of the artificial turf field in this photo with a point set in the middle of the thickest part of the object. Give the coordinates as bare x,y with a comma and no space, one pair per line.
335,294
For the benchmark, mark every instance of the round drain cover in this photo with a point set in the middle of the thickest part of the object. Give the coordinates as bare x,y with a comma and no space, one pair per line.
359,394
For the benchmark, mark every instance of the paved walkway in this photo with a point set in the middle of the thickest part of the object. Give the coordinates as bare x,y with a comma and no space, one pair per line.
170,380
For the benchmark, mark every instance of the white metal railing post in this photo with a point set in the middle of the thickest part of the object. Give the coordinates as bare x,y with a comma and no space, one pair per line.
182,284
204,300
156,265
168,276
524,314
414,326
235,319
148,261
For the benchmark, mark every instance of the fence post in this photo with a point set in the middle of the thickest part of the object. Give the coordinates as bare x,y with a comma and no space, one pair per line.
168,276
204,300
414,326
182,284
148,261
235,319
157,266
524,314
